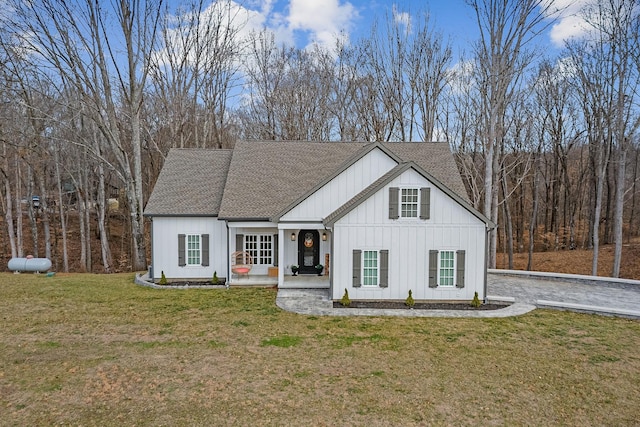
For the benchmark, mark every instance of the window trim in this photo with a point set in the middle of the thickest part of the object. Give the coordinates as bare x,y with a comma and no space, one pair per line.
402,204
364,267
188,250
452,269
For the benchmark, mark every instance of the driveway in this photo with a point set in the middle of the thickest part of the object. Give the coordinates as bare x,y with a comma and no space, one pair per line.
579,293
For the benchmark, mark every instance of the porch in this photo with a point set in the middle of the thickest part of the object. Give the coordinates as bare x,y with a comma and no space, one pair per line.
303,281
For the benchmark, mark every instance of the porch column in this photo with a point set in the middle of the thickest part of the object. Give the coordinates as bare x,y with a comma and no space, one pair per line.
281,264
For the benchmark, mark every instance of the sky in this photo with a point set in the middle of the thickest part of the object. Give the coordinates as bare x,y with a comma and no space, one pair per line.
302,22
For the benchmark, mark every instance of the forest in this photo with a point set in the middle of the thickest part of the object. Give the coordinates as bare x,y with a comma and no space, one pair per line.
94,94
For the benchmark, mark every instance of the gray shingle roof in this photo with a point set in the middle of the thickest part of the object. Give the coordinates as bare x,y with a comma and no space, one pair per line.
265,178
191,183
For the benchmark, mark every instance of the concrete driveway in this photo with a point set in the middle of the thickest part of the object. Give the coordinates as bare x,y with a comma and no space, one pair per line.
580,293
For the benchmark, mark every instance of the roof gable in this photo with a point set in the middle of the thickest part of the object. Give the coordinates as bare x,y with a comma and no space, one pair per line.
384,180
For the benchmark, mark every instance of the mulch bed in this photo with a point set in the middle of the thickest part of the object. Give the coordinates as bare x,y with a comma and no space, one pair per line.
400,305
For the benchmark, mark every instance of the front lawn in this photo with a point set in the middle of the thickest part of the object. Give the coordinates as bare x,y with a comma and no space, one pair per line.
99,350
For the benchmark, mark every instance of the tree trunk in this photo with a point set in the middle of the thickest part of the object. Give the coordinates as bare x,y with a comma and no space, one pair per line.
61,212
508,224
618,211
103,206
44,214
18,210
8,214
533,223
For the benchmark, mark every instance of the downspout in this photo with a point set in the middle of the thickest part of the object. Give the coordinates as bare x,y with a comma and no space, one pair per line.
152,251
486,252
228,261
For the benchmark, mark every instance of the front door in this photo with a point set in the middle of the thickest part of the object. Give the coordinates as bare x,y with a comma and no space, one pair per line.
308,251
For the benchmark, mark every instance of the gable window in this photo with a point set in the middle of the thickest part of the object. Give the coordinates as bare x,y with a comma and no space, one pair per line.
409,203
260,247
193,249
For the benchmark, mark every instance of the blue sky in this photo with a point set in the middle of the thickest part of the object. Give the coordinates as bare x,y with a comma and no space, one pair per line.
302,22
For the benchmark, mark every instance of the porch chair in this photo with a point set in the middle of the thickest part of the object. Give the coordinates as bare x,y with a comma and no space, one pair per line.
241,263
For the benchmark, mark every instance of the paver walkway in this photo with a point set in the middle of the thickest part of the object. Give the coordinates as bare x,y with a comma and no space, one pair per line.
527,292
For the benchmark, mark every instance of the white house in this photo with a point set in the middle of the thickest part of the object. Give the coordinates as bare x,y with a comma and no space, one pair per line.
381,218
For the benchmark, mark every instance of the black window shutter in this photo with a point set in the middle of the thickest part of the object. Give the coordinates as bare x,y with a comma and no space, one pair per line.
393,203
384,268
357,258
433,269
275,250
181,255
425,203
204,241
239,242
460,269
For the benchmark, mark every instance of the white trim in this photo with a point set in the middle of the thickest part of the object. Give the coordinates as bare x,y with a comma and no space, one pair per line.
301,225
252,224
401,189
362,268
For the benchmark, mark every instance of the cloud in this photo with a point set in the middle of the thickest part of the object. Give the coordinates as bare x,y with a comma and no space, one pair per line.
402,18
324,20
570,23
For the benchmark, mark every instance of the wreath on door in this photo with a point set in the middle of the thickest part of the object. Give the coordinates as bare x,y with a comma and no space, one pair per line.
308,240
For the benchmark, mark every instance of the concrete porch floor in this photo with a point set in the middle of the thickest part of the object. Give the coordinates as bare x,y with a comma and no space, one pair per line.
305,281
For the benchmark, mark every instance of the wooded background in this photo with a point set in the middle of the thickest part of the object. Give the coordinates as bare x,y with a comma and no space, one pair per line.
93,95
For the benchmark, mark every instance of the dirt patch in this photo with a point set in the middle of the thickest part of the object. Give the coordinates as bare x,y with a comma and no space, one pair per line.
399,305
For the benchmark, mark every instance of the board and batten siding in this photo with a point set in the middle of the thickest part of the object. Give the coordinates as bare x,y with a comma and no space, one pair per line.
165,247
368,227
342,188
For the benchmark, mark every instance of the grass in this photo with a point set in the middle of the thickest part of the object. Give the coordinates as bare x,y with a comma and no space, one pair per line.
99,350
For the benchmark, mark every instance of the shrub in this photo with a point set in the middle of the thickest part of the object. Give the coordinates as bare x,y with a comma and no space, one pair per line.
215,280
475,302
163,278
409,302
345,301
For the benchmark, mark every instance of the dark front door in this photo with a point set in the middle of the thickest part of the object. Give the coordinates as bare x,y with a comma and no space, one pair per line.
308,251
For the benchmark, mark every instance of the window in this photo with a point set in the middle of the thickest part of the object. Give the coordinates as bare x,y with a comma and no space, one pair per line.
370,268
409,203
193,249
446,272
260,247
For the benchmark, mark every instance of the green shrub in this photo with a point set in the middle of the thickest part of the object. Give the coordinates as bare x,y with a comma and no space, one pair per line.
215,280
409,302
163,278
345,301
476,301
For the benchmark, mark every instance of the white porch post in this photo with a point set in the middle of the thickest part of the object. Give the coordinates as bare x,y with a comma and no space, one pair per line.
281,263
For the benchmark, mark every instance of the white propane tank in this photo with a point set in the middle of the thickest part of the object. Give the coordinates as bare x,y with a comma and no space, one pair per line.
29,263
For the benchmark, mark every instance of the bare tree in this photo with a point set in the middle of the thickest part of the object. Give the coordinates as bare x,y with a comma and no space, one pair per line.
75,39
608,81
506,28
